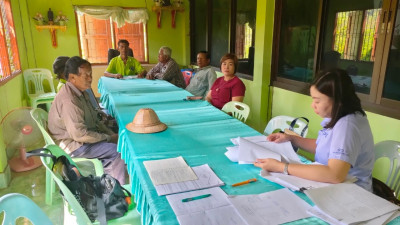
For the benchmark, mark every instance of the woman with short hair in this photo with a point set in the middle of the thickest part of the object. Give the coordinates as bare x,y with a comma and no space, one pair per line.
229,87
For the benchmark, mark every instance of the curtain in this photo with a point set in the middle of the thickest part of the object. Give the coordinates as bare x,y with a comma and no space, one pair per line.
119,15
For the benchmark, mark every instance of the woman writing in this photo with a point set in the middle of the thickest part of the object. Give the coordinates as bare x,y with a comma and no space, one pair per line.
344,145
229,87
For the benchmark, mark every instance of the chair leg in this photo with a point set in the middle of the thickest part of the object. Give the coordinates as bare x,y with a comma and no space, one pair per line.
50,188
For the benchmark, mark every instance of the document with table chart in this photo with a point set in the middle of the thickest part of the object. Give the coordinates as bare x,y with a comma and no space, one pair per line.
349,203
213,210
166,171
207,179
274,207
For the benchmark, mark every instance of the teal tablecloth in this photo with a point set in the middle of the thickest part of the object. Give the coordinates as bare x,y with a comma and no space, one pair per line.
196,130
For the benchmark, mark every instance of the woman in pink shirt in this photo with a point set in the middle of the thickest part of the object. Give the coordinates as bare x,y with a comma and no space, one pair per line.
229,87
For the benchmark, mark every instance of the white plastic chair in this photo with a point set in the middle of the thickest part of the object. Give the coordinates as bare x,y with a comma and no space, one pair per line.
34,83
17,205
239,110
387,164
283,122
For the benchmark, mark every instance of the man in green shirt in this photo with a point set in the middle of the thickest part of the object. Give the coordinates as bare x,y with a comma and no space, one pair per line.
124,65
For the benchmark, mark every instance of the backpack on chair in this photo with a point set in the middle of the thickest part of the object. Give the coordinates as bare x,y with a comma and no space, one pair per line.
102,198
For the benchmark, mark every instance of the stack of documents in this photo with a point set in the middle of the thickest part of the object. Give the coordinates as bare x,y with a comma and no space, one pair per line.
166,171
213,207
350,204
207,179
249,149
296,183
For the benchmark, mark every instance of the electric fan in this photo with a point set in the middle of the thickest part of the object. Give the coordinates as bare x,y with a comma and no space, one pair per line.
20,132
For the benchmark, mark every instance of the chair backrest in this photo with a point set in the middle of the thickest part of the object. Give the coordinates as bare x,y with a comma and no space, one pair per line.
81,216
283,122
36,78
11,205
187,75
41,118
388,173
239,110
114,53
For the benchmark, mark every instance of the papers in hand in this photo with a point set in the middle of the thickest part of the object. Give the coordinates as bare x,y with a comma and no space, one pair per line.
296,183
257,147
207,179
166,171
349,203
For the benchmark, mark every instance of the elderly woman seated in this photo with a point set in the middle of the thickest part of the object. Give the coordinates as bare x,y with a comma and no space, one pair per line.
229,87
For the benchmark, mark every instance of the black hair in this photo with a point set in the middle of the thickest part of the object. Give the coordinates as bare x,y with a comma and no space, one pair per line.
73,64
337,85
59,65
123,41
208,56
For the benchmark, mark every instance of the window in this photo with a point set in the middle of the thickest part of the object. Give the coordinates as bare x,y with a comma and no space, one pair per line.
97,36
9,57
224,26
361,37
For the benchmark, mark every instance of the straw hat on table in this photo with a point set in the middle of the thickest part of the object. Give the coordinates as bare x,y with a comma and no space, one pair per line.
146,121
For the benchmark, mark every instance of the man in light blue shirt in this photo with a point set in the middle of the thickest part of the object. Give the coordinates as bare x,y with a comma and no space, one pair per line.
205,76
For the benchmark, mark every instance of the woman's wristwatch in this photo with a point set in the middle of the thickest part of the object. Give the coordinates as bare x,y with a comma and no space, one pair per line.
285,169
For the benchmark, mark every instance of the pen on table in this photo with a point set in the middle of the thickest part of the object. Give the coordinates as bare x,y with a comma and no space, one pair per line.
244,182
196,198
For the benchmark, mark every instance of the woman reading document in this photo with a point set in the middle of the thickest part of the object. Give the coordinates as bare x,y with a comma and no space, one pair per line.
344,145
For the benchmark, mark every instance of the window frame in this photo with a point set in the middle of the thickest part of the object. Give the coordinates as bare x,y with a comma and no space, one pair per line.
113,38
374,101
208,35
8,77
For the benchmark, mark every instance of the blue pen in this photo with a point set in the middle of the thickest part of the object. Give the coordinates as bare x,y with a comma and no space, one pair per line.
196,198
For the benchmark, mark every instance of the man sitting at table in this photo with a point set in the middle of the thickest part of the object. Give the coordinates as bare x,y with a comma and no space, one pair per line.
124,65
167,69
205,76
75,126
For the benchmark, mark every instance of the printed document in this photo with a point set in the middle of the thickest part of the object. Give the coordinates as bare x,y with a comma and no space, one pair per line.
207,179
249,152
166,171
213,210
296,183
349,203
274,207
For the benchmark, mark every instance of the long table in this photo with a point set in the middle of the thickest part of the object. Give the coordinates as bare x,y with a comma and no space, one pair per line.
196,130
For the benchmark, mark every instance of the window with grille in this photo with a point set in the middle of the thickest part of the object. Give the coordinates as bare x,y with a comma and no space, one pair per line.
97,36
355,34
9,57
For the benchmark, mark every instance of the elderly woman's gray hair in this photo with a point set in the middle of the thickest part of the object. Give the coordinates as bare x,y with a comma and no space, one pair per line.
166,51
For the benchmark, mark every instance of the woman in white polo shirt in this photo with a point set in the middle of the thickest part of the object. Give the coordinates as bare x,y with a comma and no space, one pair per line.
344,145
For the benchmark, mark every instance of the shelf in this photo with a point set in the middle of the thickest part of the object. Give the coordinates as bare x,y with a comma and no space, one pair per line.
52,29
173,9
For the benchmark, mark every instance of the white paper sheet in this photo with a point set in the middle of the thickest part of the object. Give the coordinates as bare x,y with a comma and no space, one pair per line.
296,183
219,216
254,139
349,203
233,153
207,179
249,152
275,207
166,171
129,77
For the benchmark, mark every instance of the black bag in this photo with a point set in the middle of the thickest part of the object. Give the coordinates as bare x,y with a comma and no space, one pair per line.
103,198
382,190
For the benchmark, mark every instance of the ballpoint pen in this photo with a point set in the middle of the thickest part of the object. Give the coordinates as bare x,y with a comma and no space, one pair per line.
196,198
244,182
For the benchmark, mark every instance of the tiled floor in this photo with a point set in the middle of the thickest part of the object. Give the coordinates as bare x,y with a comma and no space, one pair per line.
32,184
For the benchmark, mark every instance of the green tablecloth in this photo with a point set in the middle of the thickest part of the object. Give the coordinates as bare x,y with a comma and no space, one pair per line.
196,130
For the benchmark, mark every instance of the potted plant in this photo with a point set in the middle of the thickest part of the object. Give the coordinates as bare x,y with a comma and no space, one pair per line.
39,19
61,19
